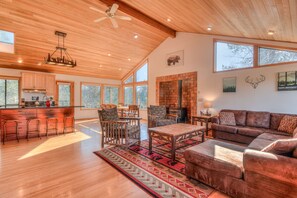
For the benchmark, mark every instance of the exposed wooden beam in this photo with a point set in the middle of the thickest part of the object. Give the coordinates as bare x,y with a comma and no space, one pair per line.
140,16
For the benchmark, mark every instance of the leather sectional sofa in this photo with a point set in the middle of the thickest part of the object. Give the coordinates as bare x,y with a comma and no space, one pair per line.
243,170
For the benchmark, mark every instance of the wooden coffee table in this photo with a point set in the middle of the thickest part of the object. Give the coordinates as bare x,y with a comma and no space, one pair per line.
175,133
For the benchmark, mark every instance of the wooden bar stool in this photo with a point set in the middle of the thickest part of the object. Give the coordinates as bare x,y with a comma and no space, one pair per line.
54,128
33,131
6,122
71,126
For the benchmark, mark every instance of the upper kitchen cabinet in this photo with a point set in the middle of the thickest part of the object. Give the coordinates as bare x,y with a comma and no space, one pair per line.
28,80
50,85
31,80
40,81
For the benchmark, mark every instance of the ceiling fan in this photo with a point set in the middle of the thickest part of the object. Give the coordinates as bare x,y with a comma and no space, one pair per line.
111,14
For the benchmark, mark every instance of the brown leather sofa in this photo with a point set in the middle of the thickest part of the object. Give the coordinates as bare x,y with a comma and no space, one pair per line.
244,170
241,171
249,125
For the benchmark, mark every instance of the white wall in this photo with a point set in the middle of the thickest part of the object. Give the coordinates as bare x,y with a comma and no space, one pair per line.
79,113
198,56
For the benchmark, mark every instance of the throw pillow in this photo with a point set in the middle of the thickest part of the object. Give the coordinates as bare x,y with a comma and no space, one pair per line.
282,147
227,118
288,124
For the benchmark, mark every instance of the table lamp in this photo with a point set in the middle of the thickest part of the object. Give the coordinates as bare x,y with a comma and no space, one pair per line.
207,105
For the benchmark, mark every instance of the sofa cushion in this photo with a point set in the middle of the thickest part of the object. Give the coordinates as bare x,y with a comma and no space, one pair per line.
227,118
277,132
282,147
225,128
258,119
249,131
272,137
240,116
259,144
288,124
219,156
275,119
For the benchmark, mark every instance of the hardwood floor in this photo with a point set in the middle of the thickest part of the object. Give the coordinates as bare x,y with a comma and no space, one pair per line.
63,166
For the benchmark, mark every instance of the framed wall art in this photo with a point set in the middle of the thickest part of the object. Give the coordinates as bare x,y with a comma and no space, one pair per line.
175,59
287,81
229,85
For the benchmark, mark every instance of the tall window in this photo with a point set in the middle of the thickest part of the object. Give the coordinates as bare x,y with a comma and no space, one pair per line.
231,56
136,88
9,92
111,95
6,42
141,96
90,95
128,93
65,93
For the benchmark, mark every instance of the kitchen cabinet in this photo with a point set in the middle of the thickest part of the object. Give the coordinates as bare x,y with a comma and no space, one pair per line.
40,81
50,85
28,80
47,82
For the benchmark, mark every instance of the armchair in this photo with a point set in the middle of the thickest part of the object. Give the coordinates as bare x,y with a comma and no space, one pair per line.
116,130
157,116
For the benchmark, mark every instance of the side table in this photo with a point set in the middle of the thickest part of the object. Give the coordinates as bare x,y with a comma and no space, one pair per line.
202,119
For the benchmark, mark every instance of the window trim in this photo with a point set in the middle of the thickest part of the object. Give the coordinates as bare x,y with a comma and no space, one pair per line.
256,46
81,101
19,84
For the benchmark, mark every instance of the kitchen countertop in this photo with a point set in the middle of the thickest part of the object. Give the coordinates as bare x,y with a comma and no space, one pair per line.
36,107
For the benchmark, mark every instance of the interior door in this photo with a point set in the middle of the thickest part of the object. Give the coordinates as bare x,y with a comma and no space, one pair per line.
65,93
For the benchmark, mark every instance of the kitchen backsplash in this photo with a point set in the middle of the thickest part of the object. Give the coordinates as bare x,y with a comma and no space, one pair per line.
32,96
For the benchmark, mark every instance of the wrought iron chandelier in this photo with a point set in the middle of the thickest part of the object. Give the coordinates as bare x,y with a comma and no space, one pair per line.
63,59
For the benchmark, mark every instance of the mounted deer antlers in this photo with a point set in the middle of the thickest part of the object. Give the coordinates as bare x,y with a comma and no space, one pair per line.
255,82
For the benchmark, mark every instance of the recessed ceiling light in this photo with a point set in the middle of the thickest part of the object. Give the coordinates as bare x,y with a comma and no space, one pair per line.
108,54
100,66
168,20
209,28
39,63
20,61
270,32
136,36
129,59
120,69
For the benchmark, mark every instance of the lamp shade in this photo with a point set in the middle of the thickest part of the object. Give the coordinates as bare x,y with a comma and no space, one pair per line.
207,104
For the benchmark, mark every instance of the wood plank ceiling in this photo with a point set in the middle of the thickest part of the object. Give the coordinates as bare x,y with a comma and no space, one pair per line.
34,23
238,18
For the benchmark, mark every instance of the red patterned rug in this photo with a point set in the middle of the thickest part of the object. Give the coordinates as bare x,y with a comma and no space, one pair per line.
154,173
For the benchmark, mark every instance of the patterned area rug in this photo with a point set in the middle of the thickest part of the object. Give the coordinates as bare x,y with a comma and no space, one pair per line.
154,173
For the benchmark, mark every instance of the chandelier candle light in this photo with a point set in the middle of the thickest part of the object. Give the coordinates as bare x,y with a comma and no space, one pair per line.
64,59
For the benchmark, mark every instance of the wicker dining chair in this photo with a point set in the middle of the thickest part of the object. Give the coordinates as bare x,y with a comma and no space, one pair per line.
133,111
118,131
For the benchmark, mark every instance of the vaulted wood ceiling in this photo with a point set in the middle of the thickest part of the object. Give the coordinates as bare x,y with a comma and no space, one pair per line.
34,23
240,18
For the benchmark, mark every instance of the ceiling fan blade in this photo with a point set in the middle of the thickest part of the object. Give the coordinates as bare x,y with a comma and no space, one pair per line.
114,8
114,23
97,10
124,18
100,19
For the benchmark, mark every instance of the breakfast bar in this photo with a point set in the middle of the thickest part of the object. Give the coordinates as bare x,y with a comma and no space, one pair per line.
15,121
